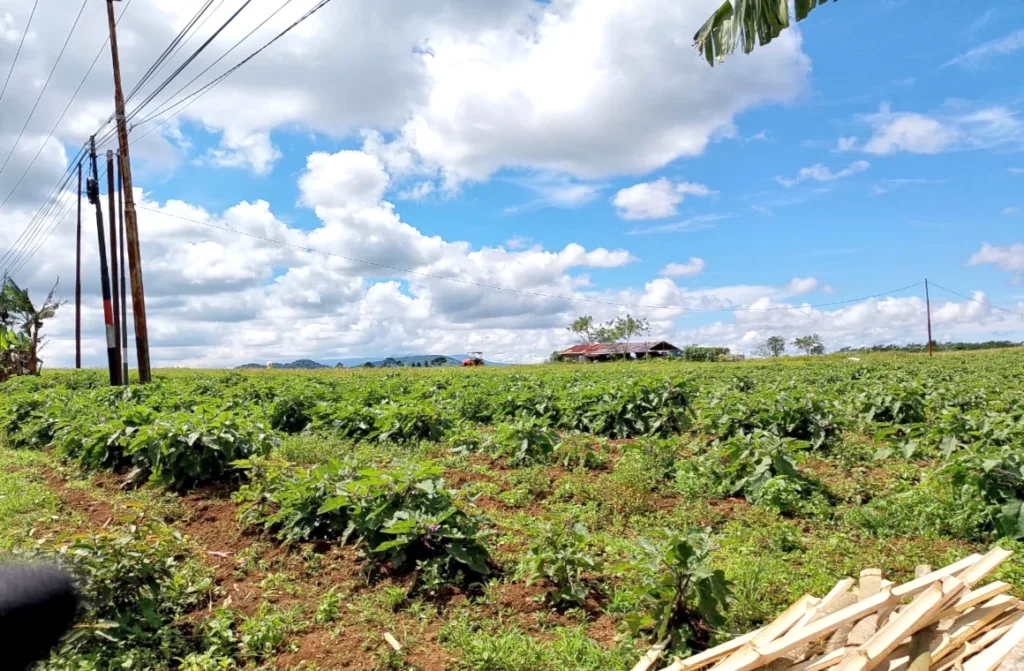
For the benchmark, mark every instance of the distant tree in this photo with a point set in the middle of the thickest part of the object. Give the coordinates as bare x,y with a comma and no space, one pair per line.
773,347
585,330
810,345
339,365
390,362
439,361
368,364
17,309
624,328
556,357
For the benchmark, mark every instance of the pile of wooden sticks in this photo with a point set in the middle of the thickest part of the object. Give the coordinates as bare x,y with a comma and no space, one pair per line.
940,621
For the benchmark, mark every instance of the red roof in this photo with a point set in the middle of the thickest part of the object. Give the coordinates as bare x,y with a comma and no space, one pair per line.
599,349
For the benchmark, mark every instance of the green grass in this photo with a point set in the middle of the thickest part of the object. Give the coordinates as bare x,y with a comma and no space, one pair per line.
25,498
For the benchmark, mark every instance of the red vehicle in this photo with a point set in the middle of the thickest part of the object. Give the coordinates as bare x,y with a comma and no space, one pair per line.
475,359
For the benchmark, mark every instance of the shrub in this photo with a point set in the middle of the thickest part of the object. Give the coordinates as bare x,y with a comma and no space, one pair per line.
579,450
135,581
183,450
524,442
290,413
561,556
892,404
683,596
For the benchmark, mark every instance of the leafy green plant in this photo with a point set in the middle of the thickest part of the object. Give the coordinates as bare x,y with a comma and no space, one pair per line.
562,557
892,404
683,596
524,442
579,450
996,476
264,632
290,413
183,450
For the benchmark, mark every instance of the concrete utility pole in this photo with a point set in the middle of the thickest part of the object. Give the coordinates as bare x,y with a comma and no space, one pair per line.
124,292
115,302
78,277
93,189
131,221
928,306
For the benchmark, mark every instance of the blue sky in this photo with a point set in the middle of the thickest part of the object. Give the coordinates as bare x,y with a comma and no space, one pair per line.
876,144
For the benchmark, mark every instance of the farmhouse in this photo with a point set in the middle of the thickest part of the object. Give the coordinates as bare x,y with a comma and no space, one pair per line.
618,350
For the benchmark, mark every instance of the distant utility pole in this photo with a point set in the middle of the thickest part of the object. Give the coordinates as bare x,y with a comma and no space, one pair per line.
131,221
78,277
93,189
124,293
116,302
928,306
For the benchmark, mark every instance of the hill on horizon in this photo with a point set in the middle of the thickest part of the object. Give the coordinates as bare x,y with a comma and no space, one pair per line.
406,361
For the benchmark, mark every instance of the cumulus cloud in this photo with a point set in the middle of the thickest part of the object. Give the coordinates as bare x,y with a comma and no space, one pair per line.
1009,259
695,266
917,133
655,200
846,144
821,173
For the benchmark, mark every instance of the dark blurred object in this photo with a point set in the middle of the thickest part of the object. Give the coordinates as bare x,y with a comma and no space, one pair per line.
37,606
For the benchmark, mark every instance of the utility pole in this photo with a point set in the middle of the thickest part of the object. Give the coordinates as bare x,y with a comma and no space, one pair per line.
131,221
78,277
116,302
93,189
124,293
928,306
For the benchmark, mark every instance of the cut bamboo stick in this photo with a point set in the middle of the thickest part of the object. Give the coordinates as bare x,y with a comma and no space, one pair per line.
975,646
711,654
965,626
886,639
821,662
990,658
914,586
870,584
827,605
651,656
920,657
992,559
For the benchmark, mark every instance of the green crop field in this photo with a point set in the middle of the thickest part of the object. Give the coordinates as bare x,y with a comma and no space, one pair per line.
539,518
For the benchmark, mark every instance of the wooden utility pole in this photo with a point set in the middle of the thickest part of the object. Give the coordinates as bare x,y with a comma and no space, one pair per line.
114,290
131,221
124,293
78,277
928,306
93,189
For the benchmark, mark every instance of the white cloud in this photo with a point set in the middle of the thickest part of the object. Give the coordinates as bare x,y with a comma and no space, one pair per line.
799,286
518,242
655,200
821,173
887,185
916,133
1015,171
846,143
253,150
695,266
417,191
1011,211
562,88
1009,259
691,225
1002,46
554,190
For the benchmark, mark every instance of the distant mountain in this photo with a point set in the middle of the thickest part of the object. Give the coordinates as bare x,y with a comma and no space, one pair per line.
302,364
420,360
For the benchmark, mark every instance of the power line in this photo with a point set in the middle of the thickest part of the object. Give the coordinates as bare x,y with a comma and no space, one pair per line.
159,89
975,300
167,52
18,52
195,95
67,107
513,290
47,202
213,64
43,90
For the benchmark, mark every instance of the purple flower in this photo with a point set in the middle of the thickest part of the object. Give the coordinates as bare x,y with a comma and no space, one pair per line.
433,527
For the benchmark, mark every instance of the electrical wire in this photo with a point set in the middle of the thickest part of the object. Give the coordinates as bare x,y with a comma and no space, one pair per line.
43,89
67,107
213,64
990,305
188,61
513,290
175,44
29,228
18,52
195,95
